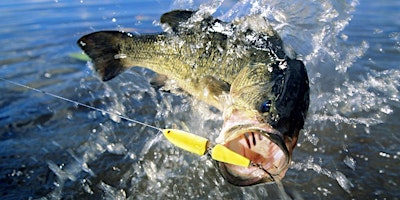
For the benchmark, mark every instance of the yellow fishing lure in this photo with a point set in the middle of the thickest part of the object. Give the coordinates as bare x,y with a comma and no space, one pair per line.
199,145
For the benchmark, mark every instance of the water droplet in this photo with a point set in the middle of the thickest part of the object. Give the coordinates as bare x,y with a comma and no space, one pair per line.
383,154
343,181
350,162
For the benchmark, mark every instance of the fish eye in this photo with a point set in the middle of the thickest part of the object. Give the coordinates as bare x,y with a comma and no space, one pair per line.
265,106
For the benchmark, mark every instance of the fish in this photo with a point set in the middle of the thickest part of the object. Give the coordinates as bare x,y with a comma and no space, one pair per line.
244,71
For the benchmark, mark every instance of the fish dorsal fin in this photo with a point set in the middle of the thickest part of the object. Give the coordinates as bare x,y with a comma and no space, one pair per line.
175,17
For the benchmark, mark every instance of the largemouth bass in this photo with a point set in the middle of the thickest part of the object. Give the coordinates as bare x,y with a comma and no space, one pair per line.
240,69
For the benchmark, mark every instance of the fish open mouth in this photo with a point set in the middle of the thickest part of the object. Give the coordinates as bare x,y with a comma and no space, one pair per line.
265,148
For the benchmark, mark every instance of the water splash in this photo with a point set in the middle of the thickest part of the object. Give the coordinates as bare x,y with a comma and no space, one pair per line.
316,45
310,164
102,140
156,169
110,193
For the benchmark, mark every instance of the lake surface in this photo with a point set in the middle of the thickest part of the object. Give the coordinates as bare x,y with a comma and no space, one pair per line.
53,149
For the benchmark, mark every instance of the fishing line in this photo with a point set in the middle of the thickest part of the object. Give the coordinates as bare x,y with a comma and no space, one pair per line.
81,104
187,141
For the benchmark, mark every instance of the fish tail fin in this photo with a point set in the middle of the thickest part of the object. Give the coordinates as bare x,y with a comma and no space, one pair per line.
104,49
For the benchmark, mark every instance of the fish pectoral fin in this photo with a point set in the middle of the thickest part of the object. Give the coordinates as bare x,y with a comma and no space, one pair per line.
214,86
104,49
213,91
163,83
158,81
175,17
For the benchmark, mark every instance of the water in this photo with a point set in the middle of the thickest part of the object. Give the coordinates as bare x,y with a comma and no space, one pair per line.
52,149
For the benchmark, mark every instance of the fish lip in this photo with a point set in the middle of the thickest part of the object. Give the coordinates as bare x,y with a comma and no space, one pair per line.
269,133
223,169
